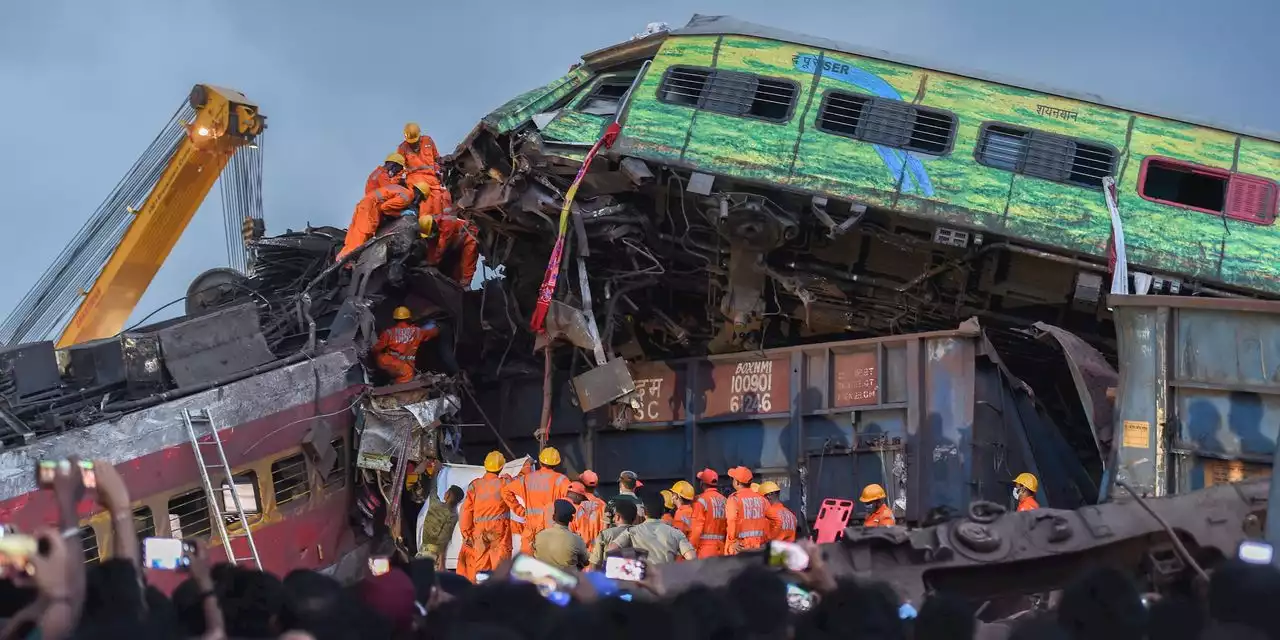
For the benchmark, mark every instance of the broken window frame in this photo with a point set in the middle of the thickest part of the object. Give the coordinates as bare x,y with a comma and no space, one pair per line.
1232,182
725,92
1047,156
873,123
608,79
89,541
291,479
336,477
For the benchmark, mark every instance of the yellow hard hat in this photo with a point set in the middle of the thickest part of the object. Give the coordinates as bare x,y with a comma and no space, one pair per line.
396,158
767,487
683,489
412,132
668,498
871,493
426,225
401,313
423,188
549,457
755,486
494,461
1028,481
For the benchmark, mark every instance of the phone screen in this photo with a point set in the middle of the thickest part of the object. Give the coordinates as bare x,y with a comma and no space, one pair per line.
166,554
1255,552
618,568
47,469
379,565
788,555
554,584
481,576
798,598
15,554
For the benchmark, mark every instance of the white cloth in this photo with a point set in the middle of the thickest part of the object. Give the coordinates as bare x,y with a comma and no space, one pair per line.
462,475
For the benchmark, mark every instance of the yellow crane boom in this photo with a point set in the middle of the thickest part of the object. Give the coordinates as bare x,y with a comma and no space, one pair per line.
176,174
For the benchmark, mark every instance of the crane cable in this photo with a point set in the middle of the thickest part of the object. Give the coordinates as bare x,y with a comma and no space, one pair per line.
241,191
48,305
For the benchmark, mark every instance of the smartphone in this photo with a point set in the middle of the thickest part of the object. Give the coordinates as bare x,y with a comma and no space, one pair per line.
47,469
481,576
554,584
799,599
619,568
1255,552
167,554
379,565
787,555
16,551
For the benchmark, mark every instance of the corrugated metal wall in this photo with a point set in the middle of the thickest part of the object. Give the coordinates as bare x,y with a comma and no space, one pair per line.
925,415
1199,394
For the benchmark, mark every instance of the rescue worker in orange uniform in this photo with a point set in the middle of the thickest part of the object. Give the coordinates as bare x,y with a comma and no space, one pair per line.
746,525
450,243
1024,491
591,480
782,523
389,201
708,529
422,165
684,507
881,515
396,351
484,520
668,506
389,172
539,490
588,518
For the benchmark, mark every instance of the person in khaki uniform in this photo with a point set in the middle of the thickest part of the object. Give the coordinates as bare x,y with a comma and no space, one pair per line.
626,514
663,542
437,526
556,545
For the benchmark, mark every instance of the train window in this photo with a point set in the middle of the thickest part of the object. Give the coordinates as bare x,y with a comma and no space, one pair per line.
289,479
144,523
189,515
892,123
246,487
732,93
1191,186
337,476
606,96
1044,155
89,540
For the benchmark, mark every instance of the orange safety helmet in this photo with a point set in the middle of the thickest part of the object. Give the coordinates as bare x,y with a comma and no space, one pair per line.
871,493
589,478
741,474
708,476
576,487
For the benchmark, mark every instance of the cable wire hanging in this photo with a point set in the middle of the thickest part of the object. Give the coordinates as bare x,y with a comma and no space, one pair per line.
55,296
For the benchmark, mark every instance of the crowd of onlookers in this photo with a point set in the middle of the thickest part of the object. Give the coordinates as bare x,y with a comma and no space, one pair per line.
61,597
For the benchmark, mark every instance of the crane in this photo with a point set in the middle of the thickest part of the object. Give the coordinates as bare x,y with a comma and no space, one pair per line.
104,270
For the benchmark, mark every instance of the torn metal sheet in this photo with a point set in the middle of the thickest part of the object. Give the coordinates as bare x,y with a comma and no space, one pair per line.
386,421
221,343
604,384
1092,375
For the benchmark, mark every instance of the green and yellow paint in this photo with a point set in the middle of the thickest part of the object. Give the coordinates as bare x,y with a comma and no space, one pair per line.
952,188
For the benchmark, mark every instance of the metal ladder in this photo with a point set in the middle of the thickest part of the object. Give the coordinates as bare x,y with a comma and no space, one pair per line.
190,419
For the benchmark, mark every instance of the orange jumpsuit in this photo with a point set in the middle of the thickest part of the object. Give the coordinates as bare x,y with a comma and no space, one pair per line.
384,201
397,348
380,178
484,521
708,527
420,166
684,519
882,517
1028,503
539,489
782,523
588,521
746,525
452,233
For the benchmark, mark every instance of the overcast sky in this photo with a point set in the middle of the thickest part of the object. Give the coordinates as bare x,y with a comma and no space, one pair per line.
88,84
